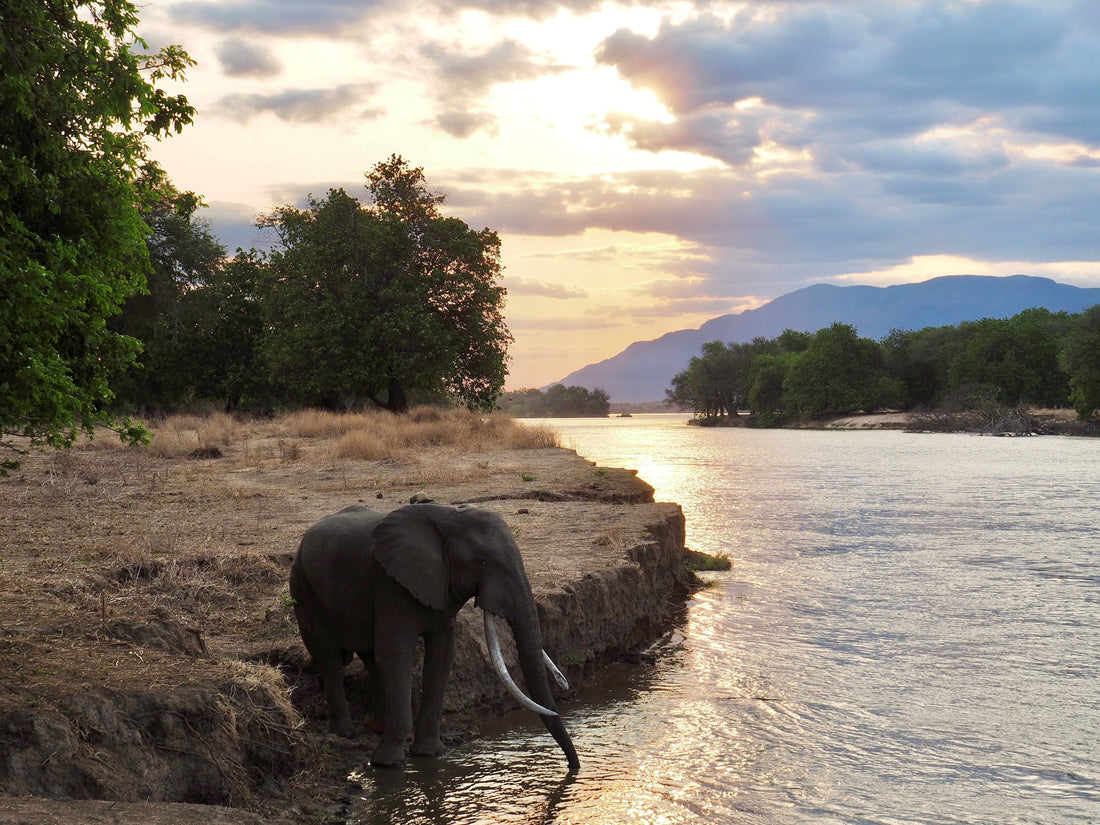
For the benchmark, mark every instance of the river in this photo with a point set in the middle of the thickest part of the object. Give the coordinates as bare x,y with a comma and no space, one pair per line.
910,634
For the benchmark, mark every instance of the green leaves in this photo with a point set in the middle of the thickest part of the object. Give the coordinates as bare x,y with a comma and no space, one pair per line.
74,117
385,301
1035,358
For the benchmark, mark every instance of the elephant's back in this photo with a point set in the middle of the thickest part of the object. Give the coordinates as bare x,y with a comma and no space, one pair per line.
336,551
331,574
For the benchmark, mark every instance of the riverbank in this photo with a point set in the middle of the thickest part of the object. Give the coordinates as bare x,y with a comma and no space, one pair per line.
1020,421
148,648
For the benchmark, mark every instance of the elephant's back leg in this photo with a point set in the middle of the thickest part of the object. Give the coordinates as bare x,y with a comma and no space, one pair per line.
323,643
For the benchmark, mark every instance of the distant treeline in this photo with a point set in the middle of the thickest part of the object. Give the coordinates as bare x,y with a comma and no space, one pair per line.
1037,358
558,401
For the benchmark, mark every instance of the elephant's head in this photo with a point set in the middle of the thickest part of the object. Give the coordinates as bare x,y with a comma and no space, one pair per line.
444,556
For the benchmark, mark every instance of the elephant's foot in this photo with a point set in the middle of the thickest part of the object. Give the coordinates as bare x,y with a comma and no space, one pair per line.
428,746
388,756
342,727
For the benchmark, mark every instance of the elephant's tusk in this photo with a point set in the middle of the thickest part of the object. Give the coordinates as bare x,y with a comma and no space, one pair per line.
502,671
559,677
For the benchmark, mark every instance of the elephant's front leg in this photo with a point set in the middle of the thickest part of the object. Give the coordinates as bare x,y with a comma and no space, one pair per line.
395,654
439,656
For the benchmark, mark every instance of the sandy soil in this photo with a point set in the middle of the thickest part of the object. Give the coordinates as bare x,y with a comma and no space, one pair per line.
1007,422
148,649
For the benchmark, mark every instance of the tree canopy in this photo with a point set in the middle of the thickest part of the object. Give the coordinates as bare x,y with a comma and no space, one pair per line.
78,103
385,300
558,401
1034,358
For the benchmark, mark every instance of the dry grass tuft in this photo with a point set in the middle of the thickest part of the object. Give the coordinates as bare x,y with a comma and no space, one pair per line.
320,423
183,435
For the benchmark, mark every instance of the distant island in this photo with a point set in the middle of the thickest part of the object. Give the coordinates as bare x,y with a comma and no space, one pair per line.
558,401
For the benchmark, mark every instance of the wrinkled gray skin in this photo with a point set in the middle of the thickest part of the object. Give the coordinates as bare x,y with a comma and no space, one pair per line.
368,584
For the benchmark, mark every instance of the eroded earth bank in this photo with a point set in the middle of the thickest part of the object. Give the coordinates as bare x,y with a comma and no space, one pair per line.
149,655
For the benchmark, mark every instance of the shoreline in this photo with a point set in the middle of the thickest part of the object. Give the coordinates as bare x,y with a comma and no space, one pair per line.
149,655
1008,422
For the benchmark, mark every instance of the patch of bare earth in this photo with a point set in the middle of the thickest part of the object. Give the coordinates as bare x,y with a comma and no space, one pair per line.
148,648
1014,421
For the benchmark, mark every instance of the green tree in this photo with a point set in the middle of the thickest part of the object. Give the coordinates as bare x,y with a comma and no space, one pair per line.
1015,359
767,377
221,324
559,401
186,261
1081,357
839,372
78,103
715,383
386,301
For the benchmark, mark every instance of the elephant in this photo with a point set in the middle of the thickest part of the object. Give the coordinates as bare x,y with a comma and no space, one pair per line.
371,584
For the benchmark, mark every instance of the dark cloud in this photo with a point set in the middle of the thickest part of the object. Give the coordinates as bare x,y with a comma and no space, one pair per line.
833,75
241,58
461,123
1085,162
300,105
280,17
711,134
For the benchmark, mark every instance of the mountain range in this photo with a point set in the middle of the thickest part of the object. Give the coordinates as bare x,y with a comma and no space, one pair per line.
645,369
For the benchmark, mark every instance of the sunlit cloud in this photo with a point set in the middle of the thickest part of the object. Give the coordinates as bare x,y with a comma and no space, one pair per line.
544,289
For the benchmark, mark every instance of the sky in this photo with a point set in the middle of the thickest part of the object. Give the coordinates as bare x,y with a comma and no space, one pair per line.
650,166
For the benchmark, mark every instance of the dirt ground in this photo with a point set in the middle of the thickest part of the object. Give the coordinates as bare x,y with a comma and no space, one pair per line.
1025,421
148,648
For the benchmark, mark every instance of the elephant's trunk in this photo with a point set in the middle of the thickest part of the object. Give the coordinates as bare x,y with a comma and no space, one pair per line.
525,629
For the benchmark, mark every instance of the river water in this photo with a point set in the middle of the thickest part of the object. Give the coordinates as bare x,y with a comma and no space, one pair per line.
910,634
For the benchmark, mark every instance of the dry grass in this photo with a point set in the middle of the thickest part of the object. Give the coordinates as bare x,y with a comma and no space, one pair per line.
182,435
368,436
382,436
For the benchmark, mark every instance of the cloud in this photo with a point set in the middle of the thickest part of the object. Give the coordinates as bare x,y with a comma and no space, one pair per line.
300,105
526,286
345,18
836,76
803,227
235,226
602,318
281,17
715,134
536,9
464,78
240,58
460,123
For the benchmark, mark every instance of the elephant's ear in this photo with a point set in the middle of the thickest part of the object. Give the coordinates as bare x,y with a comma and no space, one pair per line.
410,548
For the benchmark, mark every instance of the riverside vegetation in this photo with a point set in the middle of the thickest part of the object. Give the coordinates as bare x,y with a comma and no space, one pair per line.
981,371
149,650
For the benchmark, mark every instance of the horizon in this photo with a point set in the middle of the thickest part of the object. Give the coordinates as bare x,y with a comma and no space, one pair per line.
652,166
